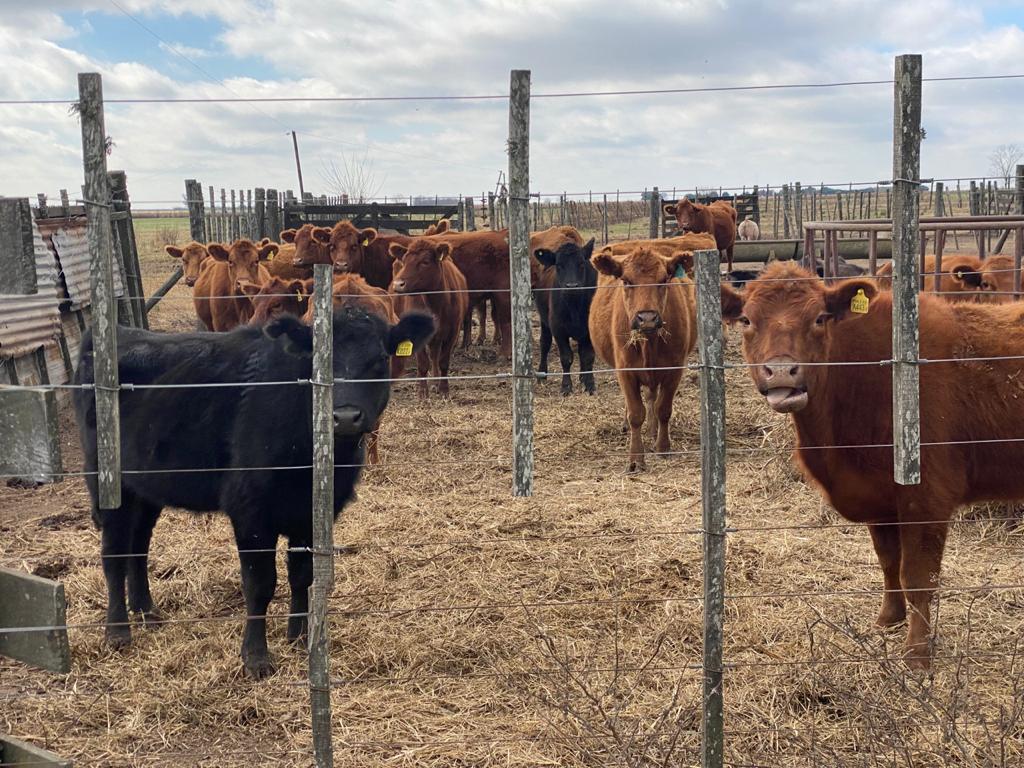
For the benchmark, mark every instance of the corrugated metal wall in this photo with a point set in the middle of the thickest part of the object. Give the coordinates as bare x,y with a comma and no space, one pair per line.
72,245
28,322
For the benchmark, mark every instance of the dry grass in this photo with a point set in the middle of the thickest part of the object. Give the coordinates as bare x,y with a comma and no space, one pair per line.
474,629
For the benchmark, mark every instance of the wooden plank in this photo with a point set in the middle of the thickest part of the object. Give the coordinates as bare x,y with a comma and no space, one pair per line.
194,198
32,601
906,139
522,296
323,516
261,216
104,323
17,250
124,228
712,441
15,752
655,214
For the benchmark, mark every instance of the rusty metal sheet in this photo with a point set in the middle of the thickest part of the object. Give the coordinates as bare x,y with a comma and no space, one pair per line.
71,244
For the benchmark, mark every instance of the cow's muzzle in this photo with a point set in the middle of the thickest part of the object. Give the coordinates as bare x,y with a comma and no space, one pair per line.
350,420
781,381
648,321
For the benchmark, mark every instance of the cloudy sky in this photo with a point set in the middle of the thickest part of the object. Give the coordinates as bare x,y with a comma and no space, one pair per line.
159,49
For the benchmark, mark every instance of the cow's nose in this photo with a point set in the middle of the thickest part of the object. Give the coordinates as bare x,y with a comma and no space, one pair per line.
341,266
190,281
349,420
780,373
648,318
572,285
399,285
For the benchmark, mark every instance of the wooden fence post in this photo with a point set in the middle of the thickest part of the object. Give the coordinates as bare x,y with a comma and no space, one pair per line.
798,209
906,165
470,215
124,229
785,210
261,215
522,296
323,516
712,441
604,219
101,268
196,217
655,213
273,213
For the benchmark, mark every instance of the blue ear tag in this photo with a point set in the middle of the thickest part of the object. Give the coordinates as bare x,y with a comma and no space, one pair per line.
680,272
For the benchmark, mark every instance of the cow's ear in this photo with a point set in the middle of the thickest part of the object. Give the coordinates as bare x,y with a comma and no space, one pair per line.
963,274
606,264
249,288
298,337
268,250
288,236
840,297
265,241
669,209
587,250
298,287
679,259
322,235
397,251
545,257
218,251
444,225
732,303
307,287
367,236
414,328
175,251
443,251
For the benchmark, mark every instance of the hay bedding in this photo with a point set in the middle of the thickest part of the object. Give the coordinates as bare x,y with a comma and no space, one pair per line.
474,629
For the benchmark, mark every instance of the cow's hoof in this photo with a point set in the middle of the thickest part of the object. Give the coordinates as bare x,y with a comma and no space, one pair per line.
297,630
259,667
918,657
119,636
891,617
566,392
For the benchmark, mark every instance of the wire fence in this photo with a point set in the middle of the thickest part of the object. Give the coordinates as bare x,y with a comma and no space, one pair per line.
568,722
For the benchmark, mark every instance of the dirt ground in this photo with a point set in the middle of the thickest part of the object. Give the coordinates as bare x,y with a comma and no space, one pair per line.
470,628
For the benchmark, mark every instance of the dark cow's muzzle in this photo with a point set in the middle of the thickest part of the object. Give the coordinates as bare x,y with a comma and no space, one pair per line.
781,381
648,321
350,420
190,281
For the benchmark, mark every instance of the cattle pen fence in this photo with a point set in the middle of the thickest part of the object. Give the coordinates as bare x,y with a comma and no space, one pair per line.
710,732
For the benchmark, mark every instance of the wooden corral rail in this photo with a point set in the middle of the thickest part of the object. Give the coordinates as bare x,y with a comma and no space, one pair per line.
397,216
940,225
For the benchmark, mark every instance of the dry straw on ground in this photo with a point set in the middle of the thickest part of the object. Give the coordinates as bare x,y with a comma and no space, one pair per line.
474,629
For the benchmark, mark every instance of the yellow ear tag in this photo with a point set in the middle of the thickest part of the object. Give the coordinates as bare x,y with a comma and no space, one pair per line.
366,241
859,303
404,349
298,295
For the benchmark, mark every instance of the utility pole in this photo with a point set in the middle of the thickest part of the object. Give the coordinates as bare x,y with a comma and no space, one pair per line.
298,167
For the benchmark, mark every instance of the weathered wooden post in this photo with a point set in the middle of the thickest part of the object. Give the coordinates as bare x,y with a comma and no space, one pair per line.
323,516
712,465
655,213
798,209
604,219
491,213
101,268
273,213
906,166
522,296
196,217
65,205
470,215
785,210
261,216
128,253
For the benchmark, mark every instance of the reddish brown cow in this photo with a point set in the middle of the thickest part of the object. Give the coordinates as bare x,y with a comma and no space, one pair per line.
961,278
194,257
276,297
219,302
718,218
309,245
642,316
426,278
997,280
788,320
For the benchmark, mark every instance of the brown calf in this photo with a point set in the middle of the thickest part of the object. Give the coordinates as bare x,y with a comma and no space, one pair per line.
787,323
194,257
717,218
276,297
997,279
427,279
642,316
960,280
220,304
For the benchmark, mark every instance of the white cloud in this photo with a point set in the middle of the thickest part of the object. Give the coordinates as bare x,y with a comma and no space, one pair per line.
326,48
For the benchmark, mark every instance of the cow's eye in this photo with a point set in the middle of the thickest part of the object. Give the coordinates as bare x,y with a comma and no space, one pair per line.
822,318
626,282
744,321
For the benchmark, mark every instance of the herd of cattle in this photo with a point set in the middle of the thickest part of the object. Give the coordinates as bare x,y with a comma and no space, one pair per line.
245,446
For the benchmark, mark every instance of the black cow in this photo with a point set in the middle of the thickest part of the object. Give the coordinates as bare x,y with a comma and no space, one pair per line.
564,309
740,277
846,269
239,432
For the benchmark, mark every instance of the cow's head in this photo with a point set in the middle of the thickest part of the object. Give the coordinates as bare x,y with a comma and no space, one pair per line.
571,263
418,266
192,257
996,280
276,297
243,258
363,346
442,227
644,277
312,244
690,217
787,318
348,246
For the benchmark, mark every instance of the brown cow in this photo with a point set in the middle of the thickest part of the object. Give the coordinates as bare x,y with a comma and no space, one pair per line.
219,302
997,279
276,297
666,246
788,320
642,316
961,278
718,218
194,257
426,278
